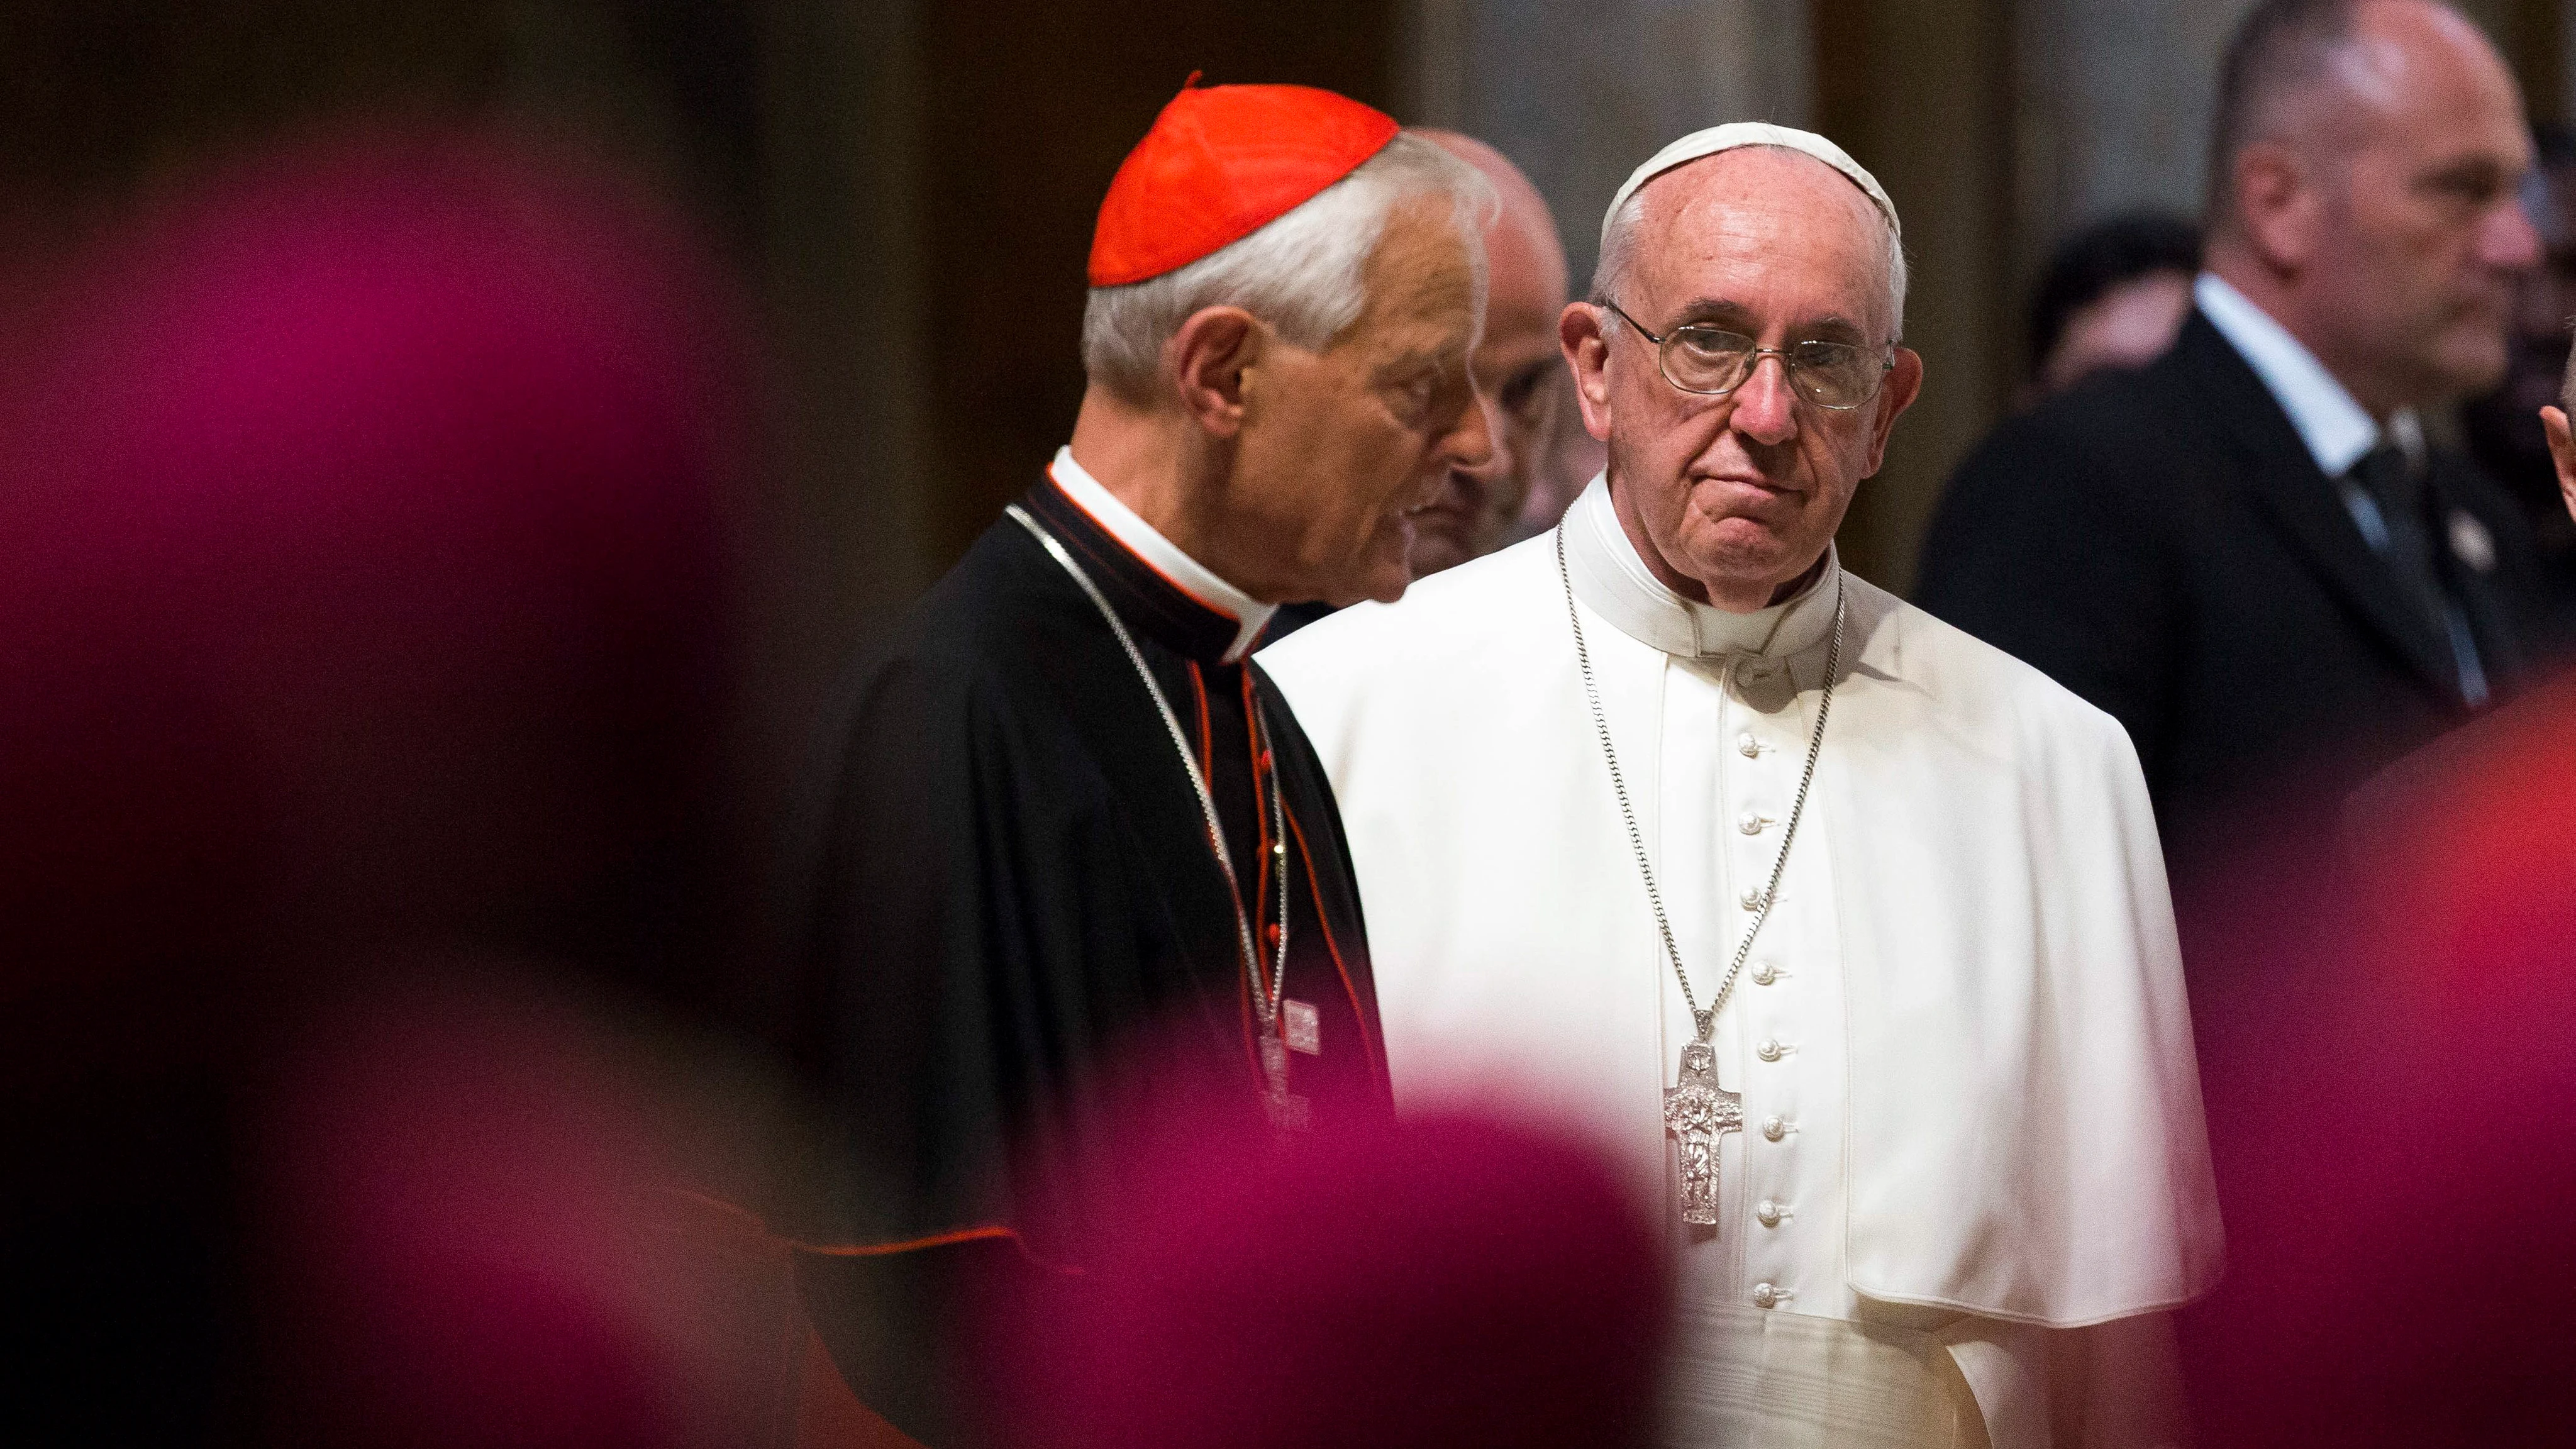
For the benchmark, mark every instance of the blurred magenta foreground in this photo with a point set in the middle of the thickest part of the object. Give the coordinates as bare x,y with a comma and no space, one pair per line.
365,612
2392,1104
1451,1279
365,532
364,617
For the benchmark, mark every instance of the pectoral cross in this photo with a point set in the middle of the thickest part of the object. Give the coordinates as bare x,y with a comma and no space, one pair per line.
1288,1111
1695,1112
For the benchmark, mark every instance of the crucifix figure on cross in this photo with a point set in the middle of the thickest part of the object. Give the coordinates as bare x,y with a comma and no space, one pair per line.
1695,1112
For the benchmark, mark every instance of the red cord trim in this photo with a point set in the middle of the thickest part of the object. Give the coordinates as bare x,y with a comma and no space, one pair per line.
983,1233
1261,819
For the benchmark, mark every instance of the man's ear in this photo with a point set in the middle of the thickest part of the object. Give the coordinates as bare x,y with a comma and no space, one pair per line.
1587,353
2278,204
2562,453
1904,384
1209,356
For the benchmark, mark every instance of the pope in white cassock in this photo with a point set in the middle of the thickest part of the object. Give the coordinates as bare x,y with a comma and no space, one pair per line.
1849,932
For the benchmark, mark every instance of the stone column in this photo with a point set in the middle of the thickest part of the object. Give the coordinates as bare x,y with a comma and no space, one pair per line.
1577,95
2112,112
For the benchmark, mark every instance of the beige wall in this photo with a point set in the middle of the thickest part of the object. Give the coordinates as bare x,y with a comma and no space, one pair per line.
1578,94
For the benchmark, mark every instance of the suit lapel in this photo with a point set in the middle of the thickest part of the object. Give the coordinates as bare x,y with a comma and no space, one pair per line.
2305,504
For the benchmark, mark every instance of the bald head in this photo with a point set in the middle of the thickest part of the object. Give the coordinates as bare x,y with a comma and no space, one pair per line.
1788,191
1521,247
1822,201
2364,178
2321,76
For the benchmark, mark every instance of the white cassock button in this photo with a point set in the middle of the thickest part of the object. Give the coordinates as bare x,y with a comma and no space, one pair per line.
1768,1214
1764,973
1750,900
1765,1296
1748,744
1769,1051
1750,823
1774,1128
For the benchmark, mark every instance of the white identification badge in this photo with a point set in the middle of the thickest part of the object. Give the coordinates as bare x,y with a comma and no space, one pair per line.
1305,1027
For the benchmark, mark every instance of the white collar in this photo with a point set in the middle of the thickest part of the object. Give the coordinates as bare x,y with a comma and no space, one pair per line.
1185,573
1609,576
2336,429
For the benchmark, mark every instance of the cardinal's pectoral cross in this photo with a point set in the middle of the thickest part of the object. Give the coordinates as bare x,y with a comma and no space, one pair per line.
1695,1112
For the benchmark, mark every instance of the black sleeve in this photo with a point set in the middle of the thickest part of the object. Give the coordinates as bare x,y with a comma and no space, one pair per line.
916,1025
985,937
2039,548
892,981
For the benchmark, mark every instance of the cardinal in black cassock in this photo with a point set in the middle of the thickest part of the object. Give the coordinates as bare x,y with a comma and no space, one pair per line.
1081,869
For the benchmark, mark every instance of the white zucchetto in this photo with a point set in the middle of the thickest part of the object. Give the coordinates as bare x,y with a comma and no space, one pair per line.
1752,133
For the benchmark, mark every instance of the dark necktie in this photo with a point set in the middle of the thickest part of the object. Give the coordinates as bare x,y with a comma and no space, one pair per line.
2385,474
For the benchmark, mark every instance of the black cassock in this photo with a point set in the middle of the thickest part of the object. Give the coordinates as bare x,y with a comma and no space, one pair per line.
1023,941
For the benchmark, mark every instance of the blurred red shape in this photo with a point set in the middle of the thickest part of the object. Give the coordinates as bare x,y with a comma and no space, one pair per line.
1450,1279
2393,1118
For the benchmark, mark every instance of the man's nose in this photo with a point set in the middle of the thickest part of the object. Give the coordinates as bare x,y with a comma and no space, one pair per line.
1472,444
1766,408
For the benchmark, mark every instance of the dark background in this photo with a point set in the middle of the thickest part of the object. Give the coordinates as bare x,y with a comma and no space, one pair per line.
906,190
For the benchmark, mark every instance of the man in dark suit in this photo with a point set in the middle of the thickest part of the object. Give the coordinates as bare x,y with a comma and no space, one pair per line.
2247,552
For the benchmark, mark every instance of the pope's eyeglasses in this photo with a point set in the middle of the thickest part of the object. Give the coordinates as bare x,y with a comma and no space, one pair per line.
1712,362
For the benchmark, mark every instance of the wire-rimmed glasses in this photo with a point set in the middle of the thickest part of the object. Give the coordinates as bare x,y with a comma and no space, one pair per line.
1712,361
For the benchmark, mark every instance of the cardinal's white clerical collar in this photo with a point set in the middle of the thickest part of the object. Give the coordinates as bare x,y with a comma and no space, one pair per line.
1615,583
1147,542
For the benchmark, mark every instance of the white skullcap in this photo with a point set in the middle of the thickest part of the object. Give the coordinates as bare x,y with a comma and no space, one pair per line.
1751,133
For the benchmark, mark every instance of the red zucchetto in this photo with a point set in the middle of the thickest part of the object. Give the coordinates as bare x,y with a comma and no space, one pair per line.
1220,163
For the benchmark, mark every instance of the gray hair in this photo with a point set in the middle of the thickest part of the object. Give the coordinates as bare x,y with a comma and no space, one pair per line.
1301,272
1619,251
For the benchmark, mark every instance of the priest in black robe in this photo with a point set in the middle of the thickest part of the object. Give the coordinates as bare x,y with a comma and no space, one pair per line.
1082,870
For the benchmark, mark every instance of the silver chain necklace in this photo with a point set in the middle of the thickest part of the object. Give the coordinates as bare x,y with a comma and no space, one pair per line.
1285,1110
1696,1110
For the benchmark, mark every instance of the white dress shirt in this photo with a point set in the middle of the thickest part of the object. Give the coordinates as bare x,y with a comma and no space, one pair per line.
2336,428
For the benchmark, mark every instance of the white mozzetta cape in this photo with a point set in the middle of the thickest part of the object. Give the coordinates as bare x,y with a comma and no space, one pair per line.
2023,1133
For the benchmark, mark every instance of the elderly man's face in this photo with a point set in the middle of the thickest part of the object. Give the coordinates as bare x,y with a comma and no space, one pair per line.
2418,233
1517,365
1340,446
1734,498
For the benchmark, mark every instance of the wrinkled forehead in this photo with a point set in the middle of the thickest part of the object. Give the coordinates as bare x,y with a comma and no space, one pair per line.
1706,224
1426,276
